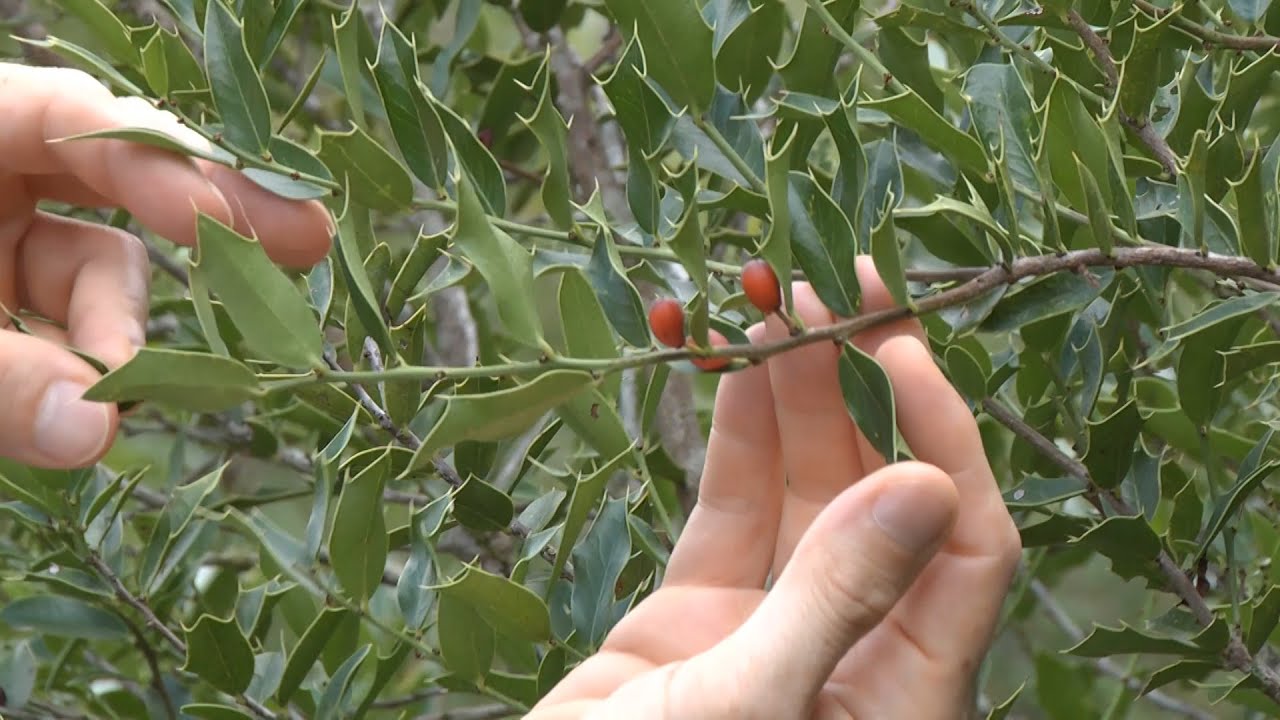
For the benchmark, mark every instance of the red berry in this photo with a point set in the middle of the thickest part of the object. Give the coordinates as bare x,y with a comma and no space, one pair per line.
760,283
712,364
666,317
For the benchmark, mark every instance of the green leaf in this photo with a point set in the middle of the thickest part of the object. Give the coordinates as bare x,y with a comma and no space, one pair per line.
219,654
677,45
481,506
1230,502
499,414
348,30
156,139
1129,543
18,675
414,123
360,290
1111,444
511,609
598,562
331,701
549,127
745,50
689,244
811,65
1266,613
619,298
1217,313
506,266
1038,492
179,380
268,310
358,543
1249,11
305,653
910,110
475,160
108,31
542,16
586,497
824,246
886,254
64,617
1003,116
414,595
372,176
1001,711
233,78
1126,640
1146,63
1096,207
586,330
869,398
1049,297
1255,204
776,247
1181,670
208,711
466,640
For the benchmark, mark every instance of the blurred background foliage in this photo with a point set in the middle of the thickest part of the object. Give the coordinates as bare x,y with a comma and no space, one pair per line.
424,478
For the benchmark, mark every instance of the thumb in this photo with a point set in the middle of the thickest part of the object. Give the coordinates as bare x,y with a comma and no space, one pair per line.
47,424
858,558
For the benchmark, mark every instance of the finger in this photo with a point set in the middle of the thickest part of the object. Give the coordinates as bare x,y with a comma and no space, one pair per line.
983,550
293,232
940,429
730,537
818,438
849,571
92,278
46,422
161,188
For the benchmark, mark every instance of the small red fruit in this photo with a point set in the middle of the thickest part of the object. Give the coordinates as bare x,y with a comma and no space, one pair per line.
712,364
666,318
760,283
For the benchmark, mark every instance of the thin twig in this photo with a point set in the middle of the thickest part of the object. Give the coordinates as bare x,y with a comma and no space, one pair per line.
979,286
1260,43
1140,126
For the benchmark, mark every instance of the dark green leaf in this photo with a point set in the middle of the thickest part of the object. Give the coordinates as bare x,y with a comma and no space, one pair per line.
598,562
1181,670
1004,117
180,380
619,298
1037,492
505,265
509,608
61,616
1111,444
220,654
549,127
331,700
466,640
824,246
372,176
305,653
481,506
1125,640
237,91
358,543
677,44
1219,312
1052,296
360,289
268,310
414,123
208,711
869,398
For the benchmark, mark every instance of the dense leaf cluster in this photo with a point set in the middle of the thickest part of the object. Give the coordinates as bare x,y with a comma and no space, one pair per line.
435,470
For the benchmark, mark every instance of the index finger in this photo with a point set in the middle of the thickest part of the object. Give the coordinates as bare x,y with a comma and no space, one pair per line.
162,189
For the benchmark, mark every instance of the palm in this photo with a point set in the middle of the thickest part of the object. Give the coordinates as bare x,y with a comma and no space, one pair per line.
772,483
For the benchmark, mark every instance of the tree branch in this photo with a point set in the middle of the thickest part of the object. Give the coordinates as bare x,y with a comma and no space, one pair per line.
1064,622
1236,656
1260,43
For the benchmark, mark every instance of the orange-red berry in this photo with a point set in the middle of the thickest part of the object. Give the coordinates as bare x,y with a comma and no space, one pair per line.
760,283
712,364
666,318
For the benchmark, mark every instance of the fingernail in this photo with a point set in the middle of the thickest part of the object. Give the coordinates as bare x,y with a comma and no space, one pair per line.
69,430
912,514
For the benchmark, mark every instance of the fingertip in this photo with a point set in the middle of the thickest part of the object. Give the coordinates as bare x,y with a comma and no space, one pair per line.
294,233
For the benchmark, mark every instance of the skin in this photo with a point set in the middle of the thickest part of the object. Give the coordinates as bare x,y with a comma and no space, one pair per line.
91,281
884,583
858,623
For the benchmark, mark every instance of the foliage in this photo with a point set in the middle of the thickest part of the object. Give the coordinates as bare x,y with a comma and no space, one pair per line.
434,470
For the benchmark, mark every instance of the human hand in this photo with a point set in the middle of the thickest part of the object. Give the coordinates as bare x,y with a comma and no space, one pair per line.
90,280
888,580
